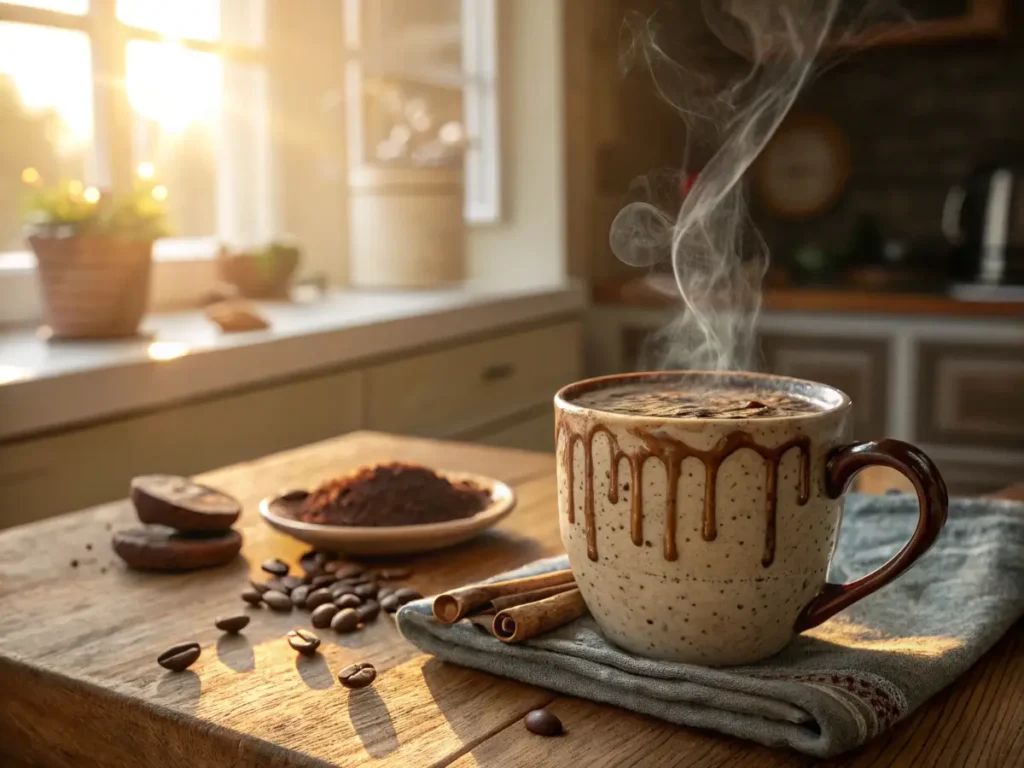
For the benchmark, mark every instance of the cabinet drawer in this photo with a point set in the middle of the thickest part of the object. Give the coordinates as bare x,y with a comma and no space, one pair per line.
455,390
44,476
532,433
971,394
856,366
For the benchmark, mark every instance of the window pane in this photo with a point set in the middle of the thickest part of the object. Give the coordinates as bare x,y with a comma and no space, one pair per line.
200,125
231,21
46,118
77,7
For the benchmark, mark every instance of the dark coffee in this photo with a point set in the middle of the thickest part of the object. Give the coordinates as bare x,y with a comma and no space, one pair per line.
357,675
662,400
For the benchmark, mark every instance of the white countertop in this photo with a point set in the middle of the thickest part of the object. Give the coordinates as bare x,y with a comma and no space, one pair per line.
46,385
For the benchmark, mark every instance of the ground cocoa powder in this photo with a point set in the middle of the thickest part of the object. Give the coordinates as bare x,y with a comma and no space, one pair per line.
391,494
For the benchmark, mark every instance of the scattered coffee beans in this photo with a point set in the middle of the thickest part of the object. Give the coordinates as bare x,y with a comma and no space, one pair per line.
343,570
398,598
357,675
346,620
303,641
368,611
384,592
291,582
317,598
180,657
299,595
543,723
275,567
348,601
394,574
232,624
366,590
252,597
342,589
321,617
390,603
278,585
259,586
323,580
278,601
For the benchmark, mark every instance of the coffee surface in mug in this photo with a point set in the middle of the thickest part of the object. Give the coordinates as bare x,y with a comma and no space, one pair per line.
667,401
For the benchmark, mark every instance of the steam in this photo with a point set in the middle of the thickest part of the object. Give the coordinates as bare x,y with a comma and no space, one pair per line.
763,53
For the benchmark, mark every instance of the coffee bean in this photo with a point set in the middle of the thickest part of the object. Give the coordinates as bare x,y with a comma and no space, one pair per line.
180,657
278,585
278,601
365,590
291,582
275,567
323,580
232,624
407,595
348,601
309,564
543,723
384,592
299,595
321,617
259,586
317,598
369,611
323,557
252,597
343,570
390,603
345,620
303,641
394,574
357,675
342,589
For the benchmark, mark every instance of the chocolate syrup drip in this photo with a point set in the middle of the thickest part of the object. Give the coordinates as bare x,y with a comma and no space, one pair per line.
672,453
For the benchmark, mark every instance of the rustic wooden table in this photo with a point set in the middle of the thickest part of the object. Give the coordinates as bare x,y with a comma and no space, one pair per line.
79,685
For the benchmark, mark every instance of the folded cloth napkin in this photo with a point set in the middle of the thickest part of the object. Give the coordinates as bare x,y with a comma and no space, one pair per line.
835,686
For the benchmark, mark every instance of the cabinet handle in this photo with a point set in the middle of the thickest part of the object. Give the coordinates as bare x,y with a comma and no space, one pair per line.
497,372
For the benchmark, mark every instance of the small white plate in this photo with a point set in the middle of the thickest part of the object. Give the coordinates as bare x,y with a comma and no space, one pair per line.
395,539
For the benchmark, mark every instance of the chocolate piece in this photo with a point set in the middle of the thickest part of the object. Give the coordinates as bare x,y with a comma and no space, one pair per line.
179,503
156,548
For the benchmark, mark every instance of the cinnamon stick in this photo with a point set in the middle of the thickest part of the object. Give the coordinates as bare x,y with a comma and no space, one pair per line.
501,603
523,622
452,606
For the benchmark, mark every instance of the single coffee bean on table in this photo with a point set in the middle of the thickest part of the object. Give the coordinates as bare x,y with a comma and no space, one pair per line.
275,566
318,597
348,601
259,586
543,723
278,601
323,580
321,617
303,641
357,675
232,624
252,597
346,620
394,574
299,595
179,503
368,611
180,657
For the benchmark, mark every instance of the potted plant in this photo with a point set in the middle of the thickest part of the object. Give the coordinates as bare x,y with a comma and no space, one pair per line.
260,273
93,252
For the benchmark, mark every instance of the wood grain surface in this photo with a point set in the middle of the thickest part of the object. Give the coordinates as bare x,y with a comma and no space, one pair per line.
81,686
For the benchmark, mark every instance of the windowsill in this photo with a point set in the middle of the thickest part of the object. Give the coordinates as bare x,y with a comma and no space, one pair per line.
46,386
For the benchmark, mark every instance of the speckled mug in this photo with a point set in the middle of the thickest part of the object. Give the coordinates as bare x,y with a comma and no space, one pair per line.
721,557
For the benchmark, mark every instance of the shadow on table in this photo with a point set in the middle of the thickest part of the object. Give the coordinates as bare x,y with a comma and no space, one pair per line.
314,671
235,652
372,721
180,690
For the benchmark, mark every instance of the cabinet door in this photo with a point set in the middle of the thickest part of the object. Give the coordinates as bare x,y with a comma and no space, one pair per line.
856,366
971,395
530,433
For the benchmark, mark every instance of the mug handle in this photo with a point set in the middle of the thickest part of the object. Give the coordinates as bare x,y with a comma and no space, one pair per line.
932,501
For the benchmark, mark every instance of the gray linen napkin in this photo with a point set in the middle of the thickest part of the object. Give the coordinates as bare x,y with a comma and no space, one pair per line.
835,686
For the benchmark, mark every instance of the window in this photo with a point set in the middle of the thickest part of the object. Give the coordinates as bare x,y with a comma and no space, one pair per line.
99,90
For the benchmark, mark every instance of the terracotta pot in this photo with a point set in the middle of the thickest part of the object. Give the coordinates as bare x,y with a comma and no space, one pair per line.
259,276
93,286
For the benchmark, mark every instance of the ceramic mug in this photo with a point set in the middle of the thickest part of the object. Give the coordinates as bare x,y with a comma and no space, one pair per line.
708,540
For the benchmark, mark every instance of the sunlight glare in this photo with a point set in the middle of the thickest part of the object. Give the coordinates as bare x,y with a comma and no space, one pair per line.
160,192
172,85
75,187
167,350
31,176
11,373
91,195
146,170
